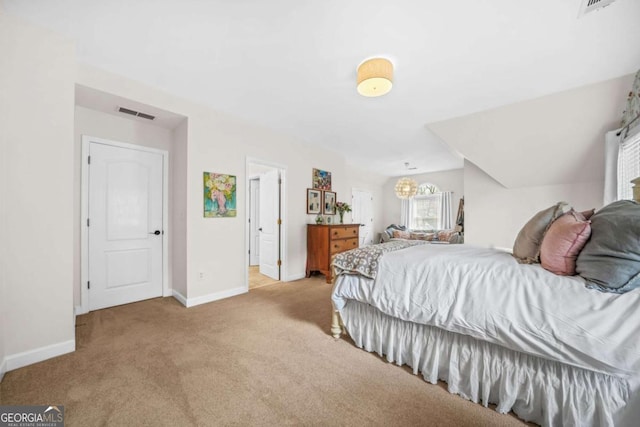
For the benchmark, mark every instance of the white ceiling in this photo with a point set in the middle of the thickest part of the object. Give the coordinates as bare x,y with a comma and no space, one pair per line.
291,64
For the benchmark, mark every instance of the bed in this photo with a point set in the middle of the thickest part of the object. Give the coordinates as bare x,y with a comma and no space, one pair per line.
516,335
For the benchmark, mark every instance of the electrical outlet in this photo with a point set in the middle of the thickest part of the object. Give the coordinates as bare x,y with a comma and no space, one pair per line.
201,275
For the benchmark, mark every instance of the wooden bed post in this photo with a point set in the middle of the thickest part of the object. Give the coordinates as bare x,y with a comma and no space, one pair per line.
337,326
336,323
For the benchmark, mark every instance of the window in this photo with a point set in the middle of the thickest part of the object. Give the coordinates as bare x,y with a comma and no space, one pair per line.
628,166
424,208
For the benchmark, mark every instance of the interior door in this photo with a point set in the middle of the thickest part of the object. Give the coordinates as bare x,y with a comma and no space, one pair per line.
269,228
362,213
254,222
125,225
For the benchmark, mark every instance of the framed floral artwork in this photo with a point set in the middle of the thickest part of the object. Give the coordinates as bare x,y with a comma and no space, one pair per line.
321,179
329,203
219,192
314,201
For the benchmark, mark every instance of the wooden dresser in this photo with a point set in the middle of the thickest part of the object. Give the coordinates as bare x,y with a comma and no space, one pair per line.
324,241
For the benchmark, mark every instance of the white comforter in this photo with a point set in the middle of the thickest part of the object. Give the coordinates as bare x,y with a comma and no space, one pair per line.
486,294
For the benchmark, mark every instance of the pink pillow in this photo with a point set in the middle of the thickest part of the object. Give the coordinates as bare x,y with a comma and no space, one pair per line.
563,241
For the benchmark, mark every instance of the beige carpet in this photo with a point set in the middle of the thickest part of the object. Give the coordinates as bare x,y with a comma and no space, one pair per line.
262,358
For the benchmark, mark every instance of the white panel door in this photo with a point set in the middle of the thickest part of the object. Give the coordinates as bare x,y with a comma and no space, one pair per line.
254,225
269,228
125,225
362,213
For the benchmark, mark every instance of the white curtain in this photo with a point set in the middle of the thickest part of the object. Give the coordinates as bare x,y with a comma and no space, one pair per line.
611,149
405,213
445,219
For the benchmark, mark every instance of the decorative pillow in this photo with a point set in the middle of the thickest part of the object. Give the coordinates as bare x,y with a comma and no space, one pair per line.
390,229
445,235
456,238
398,234
563,241
610,261
422,236
526,248
588,214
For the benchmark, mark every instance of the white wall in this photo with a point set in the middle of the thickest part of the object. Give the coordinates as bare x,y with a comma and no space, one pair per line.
36,122
41,145
4,176
524,157
3,238
495,214
449,180
220,143
555,139
178,252
121,129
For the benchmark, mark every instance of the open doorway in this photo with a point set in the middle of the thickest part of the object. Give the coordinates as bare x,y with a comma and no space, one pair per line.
265,234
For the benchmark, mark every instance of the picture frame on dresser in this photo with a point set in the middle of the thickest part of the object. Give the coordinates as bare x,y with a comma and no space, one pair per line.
314,201
329,202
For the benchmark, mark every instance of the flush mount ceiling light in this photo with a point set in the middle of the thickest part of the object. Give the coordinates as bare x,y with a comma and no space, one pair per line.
406,188
375,77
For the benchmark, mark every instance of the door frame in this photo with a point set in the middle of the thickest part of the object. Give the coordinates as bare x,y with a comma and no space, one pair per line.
250,205
84,215
283,216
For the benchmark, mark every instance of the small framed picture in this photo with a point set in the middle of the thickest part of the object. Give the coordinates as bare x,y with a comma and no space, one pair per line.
314,201
329,203
321,179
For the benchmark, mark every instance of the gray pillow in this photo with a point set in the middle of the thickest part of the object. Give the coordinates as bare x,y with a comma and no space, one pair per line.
610,261
389,229
526,248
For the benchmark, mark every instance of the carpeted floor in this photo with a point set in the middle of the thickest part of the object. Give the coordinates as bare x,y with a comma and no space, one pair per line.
263,358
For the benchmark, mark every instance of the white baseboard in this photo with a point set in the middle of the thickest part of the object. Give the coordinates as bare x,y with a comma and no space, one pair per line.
191,302
16,361
78,310
3,368
177,295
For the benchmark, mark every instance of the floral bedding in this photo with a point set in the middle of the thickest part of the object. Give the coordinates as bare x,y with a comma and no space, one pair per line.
364,260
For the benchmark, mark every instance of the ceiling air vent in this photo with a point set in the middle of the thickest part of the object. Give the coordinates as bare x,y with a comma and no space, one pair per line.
591,5
136,113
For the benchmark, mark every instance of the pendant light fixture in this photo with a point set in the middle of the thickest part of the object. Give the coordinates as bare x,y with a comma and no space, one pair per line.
406,188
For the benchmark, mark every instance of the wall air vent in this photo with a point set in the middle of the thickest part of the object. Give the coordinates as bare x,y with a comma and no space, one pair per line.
591,5
136,113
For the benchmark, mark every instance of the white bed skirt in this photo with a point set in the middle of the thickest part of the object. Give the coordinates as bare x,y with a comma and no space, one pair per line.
545,392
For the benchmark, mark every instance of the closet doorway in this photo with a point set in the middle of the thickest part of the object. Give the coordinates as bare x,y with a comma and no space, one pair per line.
265,231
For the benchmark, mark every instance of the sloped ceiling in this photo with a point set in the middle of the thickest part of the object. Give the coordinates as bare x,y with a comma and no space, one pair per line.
555,139
291,64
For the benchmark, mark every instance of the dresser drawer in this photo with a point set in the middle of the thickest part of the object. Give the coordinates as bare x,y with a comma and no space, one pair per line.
343,232
325,241
342,245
